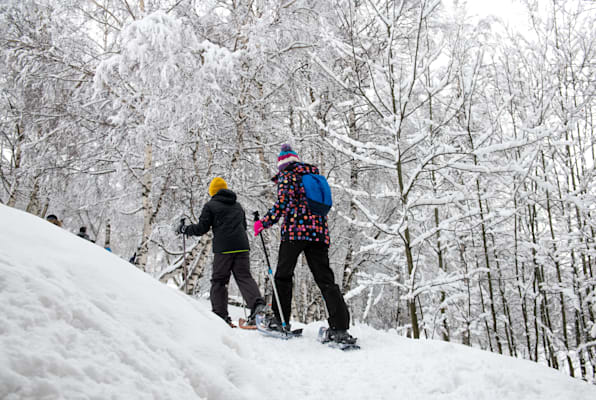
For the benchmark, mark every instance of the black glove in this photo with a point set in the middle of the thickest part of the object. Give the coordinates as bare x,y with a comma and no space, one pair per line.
181,228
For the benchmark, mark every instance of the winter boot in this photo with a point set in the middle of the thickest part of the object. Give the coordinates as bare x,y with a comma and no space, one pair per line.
229,322
275,324
252,319
340,336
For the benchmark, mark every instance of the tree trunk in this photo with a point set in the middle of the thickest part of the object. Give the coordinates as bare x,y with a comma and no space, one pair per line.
558,271
16,165
34,206
147,208
349,268
108,237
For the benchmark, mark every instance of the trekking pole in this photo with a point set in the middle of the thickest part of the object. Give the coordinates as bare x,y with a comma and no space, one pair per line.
270,272
184,259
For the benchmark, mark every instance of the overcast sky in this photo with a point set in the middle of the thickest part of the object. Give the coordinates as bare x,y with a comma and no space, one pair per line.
510,10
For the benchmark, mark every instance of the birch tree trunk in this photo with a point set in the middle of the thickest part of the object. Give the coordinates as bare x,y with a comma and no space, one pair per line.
349,269
108,237
16,167
147,207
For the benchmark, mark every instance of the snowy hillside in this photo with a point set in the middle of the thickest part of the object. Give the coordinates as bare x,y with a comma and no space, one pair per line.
77,322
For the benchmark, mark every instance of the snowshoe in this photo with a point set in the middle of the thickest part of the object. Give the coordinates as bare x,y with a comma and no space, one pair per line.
337,339
247,324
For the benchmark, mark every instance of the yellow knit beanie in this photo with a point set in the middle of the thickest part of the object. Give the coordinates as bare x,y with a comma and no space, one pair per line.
216,185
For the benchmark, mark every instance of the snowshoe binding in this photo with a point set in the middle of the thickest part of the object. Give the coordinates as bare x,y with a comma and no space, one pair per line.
270,326
337,338
251,322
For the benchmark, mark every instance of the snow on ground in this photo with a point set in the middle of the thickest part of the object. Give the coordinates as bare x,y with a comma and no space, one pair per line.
78,322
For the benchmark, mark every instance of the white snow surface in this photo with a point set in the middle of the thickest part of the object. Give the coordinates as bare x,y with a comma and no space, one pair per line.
78,322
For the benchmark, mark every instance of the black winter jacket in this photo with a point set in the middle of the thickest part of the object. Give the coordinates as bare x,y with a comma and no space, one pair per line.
227,219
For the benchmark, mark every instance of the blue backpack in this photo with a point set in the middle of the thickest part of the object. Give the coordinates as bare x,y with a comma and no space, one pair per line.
318,194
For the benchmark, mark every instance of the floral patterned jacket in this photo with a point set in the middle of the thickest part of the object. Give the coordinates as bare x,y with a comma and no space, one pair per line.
299,223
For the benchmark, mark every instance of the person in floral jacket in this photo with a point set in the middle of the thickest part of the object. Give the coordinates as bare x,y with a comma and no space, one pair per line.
302,231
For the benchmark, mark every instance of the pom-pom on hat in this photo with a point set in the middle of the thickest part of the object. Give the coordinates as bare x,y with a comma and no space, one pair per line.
286,156
216,185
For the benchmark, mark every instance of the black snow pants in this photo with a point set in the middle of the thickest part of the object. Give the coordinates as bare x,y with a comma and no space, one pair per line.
237,264
317,257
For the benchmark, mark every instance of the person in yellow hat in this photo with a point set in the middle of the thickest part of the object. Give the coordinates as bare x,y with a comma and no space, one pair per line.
225,217
54,220
216,185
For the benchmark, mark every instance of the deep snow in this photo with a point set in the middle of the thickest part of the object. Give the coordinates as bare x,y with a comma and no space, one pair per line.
78,322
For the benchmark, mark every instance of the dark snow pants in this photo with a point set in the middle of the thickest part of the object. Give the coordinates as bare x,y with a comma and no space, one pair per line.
237,264
317,257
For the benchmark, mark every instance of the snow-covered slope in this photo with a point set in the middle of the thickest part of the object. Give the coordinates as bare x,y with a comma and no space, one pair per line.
77,322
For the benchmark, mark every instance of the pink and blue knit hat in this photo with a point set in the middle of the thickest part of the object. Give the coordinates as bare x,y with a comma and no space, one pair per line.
286,156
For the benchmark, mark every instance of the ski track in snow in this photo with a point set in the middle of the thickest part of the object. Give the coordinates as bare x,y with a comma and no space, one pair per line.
77,322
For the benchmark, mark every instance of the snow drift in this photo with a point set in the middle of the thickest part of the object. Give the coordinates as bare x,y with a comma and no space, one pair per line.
78,322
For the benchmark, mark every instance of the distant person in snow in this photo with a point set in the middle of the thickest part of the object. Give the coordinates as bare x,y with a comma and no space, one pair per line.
225,216
305,231
83,234
54,220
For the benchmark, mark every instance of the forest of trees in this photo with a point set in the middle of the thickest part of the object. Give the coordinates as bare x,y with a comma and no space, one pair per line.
460,150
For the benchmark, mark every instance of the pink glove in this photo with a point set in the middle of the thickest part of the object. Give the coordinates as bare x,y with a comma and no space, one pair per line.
258,227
